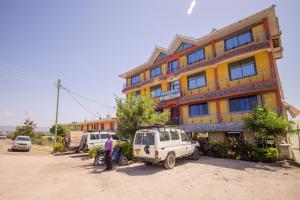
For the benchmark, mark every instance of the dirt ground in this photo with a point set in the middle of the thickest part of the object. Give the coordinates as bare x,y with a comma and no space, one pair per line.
43,176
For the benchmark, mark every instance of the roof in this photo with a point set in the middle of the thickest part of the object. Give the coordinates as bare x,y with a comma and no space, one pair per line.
113,119
178,39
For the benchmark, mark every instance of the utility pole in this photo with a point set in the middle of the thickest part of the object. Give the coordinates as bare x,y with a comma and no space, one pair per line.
56,117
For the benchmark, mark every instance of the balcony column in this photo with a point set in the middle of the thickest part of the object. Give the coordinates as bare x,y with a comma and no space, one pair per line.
216,78
213,45
218,111
272,66
266,28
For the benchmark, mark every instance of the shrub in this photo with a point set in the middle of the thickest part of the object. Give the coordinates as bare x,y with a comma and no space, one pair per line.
239,150
59,148
93,151
126,147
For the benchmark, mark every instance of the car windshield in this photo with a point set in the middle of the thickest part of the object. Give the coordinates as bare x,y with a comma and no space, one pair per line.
144,138
23,139
94,137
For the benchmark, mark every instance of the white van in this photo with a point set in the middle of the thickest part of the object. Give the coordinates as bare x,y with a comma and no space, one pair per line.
159,144
95,139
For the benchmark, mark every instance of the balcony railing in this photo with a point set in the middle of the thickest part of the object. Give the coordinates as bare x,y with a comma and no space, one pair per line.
260,41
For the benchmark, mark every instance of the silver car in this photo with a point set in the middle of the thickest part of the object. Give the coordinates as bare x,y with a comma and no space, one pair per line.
22,143
3,135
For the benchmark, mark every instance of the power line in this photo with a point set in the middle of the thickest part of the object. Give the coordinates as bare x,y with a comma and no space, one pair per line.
88,99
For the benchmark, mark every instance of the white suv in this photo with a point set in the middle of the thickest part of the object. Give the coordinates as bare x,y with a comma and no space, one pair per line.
160,144
22,143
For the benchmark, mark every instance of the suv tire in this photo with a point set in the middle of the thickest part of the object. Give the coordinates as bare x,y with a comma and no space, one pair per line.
170,161
196,154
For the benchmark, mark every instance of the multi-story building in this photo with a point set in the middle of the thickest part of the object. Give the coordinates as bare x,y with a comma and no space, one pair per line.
208,84
106,124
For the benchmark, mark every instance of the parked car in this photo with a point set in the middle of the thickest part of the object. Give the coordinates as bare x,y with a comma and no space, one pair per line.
22,143
158,144
72,139
3,135
95,139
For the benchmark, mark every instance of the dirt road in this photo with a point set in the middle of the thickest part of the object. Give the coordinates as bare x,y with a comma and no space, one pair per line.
31,176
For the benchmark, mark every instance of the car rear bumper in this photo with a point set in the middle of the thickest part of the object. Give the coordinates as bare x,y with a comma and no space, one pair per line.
145,159
21,147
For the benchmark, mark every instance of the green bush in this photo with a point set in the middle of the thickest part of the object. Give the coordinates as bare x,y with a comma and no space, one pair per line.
59,148
93,151
240,150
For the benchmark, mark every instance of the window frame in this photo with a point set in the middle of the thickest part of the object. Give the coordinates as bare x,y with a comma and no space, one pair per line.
240,64
138,75
198,104
236,36
155,68
165,139
169,71
200,74
154,87
194,52
244,97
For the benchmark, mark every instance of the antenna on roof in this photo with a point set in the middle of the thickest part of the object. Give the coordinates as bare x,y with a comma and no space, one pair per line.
213,30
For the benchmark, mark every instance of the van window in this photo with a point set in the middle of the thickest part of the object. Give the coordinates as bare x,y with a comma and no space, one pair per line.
144,138
104,136
184,137
164,136
174,135
94,137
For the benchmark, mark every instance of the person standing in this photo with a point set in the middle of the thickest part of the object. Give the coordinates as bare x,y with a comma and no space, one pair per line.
108,147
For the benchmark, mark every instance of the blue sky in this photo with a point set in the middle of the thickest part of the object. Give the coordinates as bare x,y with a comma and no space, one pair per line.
89,43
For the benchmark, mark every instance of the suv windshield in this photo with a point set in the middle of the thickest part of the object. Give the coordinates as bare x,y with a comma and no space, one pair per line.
22,139
144,138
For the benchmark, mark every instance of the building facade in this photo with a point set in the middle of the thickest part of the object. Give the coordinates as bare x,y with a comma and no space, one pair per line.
209,84
109,124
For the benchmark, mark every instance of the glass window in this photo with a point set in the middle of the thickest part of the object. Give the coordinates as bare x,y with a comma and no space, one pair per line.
94,137
183,46
164,136
159,111
196,81
242,104
138,138
238,40
155,71
243,68
196,56
135,79
148,139
175,85
161,56
198,109
183,137
137,93
174,135
155,91
236,135
104,136
173,66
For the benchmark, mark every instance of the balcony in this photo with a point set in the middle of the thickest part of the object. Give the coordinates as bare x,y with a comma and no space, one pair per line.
260,42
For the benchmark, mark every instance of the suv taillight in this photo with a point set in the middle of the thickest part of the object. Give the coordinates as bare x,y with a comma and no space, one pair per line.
156,154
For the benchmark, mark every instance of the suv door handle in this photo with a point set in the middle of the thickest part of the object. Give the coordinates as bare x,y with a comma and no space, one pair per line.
163,148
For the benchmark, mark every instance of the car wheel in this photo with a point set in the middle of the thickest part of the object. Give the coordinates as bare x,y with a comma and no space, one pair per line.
196,154
123,160
147,163
169,163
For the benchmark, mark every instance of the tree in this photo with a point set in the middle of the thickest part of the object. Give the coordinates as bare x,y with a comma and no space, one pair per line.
27,129
268,123
62,129
135,111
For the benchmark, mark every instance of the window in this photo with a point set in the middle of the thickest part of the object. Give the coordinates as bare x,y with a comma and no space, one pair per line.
238,40
198,109
184,137
135,79
137,93
243,68
161,56
94,137
164,136
138,138
242,104
183,46
236,135
173,66
196,81
159,111
104,136
174,135
155,71
148,139
155,91
196,56
175,85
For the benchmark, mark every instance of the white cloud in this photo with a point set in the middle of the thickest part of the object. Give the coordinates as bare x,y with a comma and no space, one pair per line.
190,10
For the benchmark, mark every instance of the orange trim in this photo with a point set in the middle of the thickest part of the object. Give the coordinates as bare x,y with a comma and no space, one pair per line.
218,111
213,45
216,78
266,27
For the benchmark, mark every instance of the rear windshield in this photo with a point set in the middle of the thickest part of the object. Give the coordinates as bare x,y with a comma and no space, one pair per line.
94,137
23,139
105,136
144,138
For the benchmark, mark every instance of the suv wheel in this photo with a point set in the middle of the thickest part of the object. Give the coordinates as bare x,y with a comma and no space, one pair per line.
169,163
196,154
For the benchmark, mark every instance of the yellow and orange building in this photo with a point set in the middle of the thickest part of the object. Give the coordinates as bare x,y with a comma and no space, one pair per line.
109,124
209,84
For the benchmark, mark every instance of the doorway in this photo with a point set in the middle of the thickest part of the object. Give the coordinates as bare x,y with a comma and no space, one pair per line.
175,115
